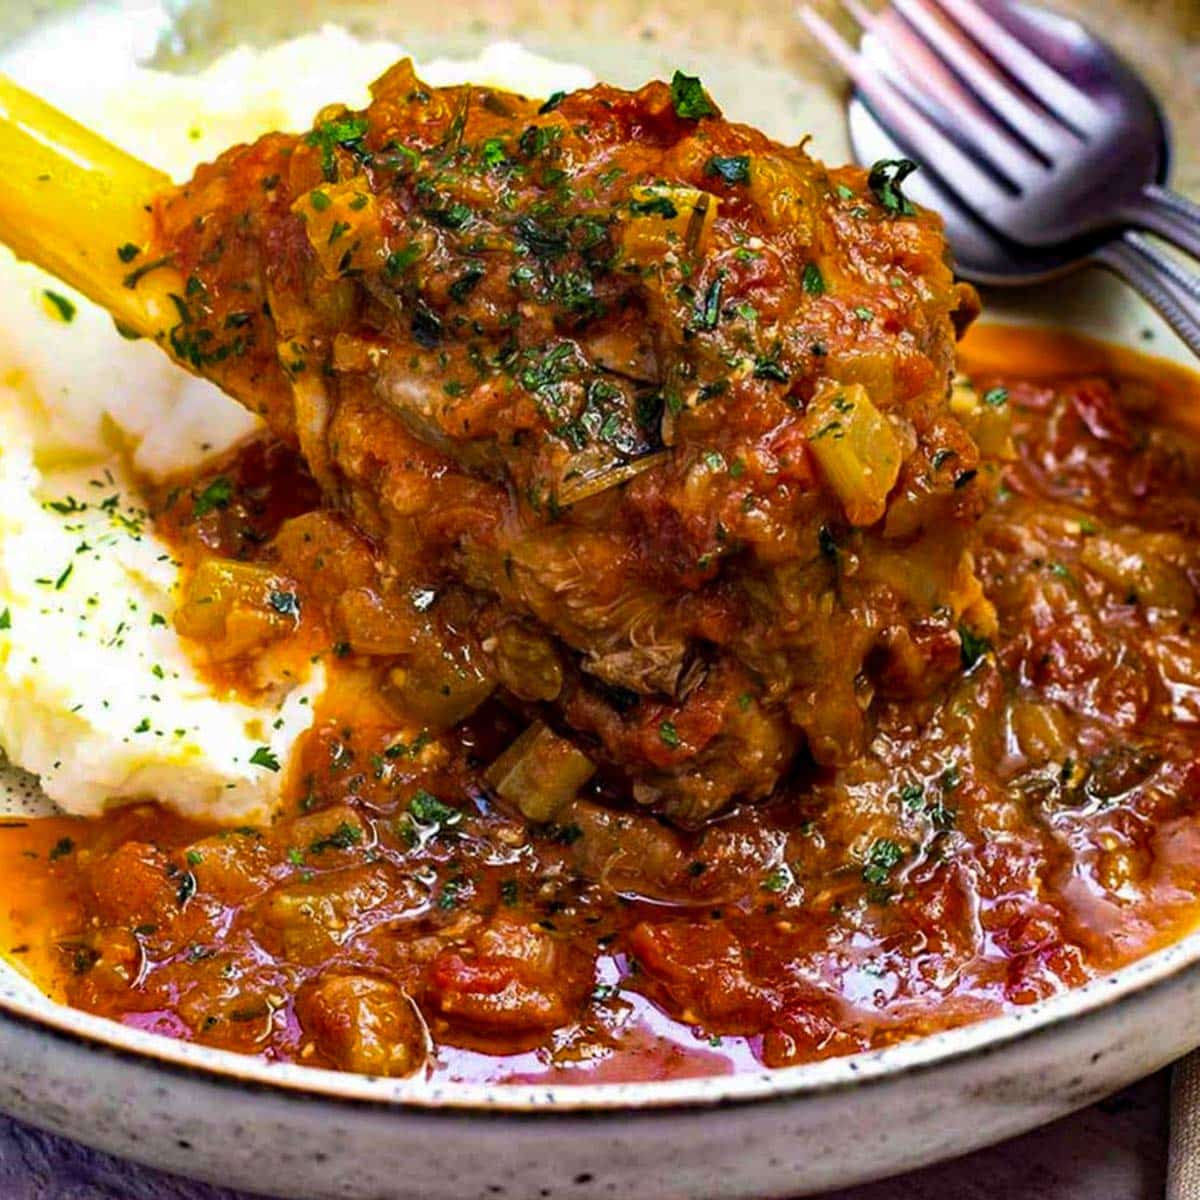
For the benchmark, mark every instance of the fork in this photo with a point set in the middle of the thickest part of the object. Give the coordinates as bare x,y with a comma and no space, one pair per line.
1042,140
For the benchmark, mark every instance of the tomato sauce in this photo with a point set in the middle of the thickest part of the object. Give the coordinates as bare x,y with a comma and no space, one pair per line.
1014,832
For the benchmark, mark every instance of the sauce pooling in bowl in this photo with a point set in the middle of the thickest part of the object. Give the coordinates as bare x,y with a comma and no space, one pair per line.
1030,826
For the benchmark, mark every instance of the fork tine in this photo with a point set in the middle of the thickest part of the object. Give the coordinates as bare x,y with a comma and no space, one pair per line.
1048,137
979,190
933,72
1057,94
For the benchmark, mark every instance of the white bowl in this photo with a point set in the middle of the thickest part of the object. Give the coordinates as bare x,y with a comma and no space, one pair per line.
307,1133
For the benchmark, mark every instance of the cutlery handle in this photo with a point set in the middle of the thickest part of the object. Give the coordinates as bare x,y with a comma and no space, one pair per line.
1183,1162
1174,291
1169,215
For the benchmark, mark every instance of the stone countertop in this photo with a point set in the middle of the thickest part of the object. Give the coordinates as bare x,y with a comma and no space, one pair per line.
1115,1150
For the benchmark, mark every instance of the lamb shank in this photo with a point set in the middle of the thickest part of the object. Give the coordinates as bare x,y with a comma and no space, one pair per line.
661,409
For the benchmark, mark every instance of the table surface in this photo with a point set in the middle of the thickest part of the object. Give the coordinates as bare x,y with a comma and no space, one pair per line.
1113,1151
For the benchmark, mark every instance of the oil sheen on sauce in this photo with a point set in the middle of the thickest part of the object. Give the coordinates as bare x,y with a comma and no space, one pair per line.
1037,826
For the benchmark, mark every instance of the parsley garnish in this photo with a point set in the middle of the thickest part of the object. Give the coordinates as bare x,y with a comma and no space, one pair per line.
813,280
656,206
973,647
216,495
401,260
429,810
187,888
779,880
346,132
344,837
885,182
690,100
287,603
263,756
66,310
61,849
668,734
732,169
135,277
883,856
492,153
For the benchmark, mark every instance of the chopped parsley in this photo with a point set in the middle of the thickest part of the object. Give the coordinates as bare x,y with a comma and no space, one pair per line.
769,368
61,848
400,260
286,603
429,810
263,756
668,734
732,169
346,132
779,880
973,647
813,280
344,837
885,181
882,858
656,206
492,153
216,495
995,396
66,310
690,100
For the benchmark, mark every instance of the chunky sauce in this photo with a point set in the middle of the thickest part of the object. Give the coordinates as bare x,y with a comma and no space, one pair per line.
1005,838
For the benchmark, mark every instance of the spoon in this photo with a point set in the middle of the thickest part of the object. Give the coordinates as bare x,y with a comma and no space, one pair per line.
1041,147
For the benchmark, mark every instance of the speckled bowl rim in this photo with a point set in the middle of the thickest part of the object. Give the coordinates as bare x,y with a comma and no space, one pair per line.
976,1040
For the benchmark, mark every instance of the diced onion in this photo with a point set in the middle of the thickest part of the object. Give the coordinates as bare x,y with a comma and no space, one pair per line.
856,448
540,773
666,219
234,607
439,689
342,224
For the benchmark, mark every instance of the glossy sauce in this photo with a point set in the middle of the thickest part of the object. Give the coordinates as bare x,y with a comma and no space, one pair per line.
1031,825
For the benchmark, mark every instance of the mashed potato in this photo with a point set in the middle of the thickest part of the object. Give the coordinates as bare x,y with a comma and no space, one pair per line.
98,695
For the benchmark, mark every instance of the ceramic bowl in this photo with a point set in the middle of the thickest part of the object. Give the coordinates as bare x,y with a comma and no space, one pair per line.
298,1132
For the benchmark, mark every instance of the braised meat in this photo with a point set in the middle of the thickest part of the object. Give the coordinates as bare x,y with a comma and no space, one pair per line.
661,408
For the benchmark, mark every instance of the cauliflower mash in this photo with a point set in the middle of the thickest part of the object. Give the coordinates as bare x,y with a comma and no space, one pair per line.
99,697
